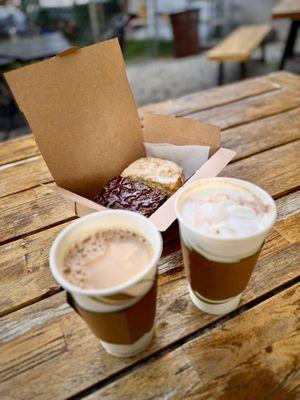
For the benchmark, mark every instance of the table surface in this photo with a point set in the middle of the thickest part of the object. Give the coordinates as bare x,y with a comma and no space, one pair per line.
34,48
47,352
287,9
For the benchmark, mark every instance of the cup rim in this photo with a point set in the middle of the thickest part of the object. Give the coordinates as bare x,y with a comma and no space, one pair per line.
115,289
242,182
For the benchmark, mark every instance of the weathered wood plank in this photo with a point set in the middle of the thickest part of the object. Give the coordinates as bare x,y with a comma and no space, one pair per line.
256,354
257,136
25,276
253,356
52,325
176,318
276,170
284,79
171,377
212,97
246,140
23,175
31,210
25,147
251,109
17,149
287,9
24,270
239,45
290,229
288,205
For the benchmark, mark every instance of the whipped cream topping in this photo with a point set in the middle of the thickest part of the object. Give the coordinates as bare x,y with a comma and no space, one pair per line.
227,211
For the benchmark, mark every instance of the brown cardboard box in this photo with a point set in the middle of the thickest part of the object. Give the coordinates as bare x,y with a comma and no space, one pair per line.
85,122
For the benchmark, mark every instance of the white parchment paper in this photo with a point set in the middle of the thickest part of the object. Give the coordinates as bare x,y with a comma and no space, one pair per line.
189,157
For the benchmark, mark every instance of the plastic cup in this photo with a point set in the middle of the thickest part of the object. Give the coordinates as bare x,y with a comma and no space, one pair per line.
218,269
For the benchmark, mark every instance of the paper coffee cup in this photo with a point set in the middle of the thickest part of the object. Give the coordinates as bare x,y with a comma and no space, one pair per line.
122,316
218,269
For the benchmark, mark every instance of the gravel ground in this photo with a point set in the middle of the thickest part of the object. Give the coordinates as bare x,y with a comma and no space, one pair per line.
162,79
165,78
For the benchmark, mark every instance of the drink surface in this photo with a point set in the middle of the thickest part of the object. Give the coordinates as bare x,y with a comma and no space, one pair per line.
106,259
227,210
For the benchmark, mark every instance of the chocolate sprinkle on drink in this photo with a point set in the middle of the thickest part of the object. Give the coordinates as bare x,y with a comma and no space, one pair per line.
123,193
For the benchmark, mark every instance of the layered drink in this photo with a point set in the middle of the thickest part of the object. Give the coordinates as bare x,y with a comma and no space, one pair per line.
223,224
107,262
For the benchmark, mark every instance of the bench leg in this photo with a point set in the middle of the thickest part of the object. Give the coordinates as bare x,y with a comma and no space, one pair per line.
290,42
221,74
243,70
263,52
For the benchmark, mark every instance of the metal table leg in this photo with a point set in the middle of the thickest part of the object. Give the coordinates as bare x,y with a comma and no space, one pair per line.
243,70
290,42
221,74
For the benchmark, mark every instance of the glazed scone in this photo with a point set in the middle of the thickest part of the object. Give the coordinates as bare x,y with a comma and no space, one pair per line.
159,174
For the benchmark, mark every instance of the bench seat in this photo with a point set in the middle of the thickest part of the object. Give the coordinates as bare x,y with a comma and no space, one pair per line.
239,45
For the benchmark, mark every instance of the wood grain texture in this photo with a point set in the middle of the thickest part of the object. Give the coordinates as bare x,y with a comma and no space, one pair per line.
17,149
290,229
24,270
46,345
276,170
172,377
247,139
288,205
284,79
25,276
31,210
22,175
257,136
287,9
265,339
240,44
210,98
176,318
251,109
253,356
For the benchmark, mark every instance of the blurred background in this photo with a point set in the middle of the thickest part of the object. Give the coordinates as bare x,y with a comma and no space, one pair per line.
164,42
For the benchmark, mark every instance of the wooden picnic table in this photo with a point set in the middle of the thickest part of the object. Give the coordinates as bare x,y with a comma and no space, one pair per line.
288,9
47,352
25,49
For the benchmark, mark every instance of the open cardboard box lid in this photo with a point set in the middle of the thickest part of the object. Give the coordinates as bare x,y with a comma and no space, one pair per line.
82,114
84,119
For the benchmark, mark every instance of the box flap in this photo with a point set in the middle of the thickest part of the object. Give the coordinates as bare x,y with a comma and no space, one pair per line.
165,215
82,113
180,131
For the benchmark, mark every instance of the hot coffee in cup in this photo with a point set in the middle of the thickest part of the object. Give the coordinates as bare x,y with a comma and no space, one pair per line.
107,261
223,224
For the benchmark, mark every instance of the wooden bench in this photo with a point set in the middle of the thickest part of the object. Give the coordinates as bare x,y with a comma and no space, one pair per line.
238,46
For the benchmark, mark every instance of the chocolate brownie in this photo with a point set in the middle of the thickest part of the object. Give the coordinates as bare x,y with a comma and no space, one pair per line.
126,194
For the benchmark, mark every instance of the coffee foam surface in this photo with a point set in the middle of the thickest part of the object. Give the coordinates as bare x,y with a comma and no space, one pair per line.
106,259
227,211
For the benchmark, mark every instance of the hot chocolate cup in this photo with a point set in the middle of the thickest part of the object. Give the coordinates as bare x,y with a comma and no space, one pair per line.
122,317
218,269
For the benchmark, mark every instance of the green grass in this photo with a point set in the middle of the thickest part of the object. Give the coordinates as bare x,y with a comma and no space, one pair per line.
146,48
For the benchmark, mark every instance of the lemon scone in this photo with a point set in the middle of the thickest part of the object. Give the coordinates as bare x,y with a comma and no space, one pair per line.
159,174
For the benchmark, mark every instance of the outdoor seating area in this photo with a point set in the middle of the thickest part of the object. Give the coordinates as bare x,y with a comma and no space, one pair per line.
149,199
239,46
